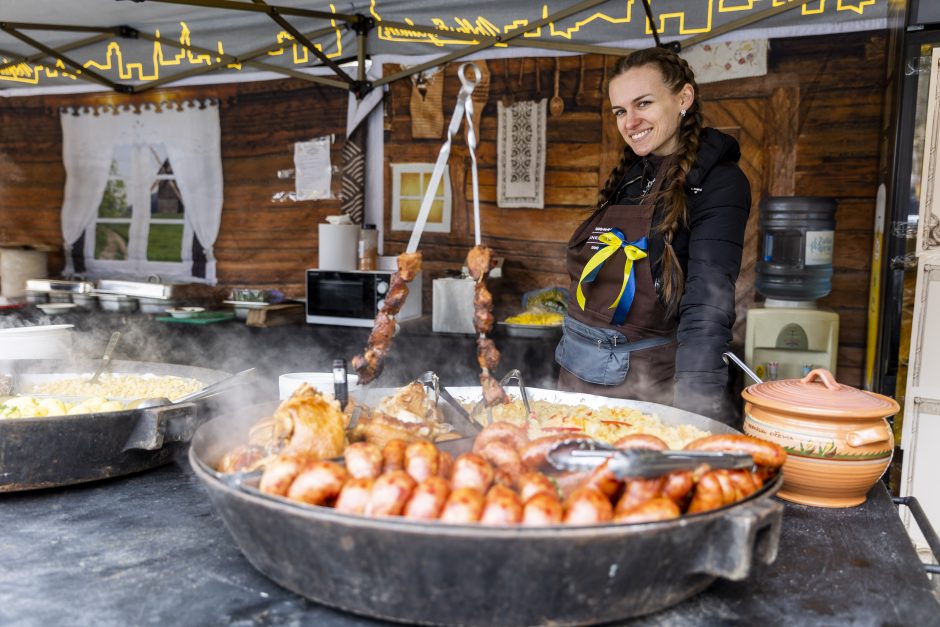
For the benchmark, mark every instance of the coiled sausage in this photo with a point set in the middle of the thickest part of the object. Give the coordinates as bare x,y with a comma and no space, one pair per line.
503,456
763,452
318,483
641,441
660,508
363,459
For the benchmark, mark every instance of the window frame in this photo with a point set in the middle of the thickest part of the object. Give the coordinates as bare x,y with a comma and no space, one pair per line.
398,224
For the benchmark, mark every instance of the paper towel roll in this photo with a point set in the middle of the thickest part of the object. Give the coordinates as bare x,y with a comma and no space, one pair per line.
16,266
338,246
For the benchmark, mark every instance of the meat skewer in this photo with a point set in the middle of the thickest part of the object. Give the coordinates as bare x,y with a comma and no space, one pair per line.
369,364
478,263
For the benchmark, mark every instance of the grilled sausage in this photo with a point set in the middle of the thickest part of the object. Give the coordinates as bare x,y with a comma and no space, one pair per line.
501,431
472,471
502,507
531,483
393,455
639,491
763,452
746,482
421,460
604,480
660,508
427,500
534,453
445,464
503,456
280,473
678,487
318,483
389,494
587,506
464,505
363,459
641,441
710,493
541,510
354,497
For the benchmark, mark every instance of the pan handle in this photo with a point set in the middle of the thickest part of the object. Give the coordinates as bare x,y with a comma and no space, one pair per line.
158,426
748,532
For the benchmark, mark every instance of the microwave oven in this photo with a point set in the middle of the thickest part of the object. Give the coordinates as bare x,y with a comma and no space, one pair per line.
354,297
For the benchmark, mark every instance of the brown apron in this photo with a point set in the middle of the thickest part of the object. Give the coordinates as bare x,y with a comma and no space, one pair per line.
651,370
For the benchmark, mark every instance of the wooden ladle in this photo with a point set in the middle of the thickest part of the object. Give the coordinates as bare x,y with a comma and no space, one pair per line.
556,106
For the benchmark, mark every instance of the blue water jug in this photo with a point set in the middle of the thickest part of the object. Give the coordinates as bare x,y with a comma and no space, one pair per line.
797,235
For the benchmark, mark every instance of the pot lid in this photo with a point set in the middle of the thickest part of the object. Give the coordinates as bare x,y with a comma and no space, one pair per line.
819,394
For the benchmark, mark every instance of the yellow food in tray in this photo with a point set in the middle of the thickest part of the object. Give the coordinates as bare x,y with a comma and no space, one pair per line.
32,407
536,319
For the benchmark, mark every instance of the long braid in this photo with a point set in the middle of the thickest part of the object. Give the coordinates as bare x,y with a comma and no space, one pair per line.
671,198
605,195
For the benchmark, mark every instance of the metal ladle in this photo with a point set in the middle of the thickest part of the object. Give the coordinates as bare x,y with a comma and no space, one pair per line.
740,364
210,390
106,359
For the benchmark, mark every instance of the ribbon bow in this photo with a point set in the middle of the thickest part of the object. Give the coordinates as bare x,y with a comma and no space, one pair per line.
613,241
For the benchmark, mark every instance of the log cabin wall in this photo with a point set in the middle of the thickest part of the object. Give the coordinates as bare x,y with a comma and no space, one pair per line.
810,127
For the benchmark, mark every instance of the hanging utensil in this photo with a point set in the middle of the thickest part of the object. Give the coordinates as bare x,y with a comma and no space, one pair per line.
510,96
604,83
106,359
579,94
584,455
556,106
538,78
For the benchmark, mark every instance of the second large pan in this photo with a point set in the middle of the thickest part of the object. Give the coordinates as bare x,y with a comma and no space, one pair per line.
431,573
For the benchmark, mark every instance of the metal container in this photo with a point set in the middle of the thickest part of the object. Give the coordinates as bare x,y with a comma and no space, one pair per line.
156,305
433,573
34,297
117,302
156,289
64,450
58,285
86,300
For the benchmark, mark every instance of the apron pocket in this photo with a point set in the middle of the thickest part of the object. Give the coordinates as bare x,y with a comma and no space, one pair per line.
603,360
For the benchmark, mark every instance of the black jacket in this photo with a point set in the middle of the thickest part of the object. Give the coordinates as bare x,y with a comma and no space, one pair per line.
709,250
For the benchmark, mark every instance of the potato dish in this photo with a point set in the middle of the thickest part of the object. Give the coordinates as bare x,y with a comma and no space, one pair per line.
33,407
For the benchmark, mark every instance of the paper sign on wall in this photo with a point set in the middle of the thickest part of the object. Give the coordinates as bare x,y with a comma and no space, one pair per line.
312,170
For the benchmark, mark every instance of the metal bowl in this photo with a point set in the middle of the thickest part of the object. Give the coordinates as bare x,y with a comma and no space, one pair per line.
433,573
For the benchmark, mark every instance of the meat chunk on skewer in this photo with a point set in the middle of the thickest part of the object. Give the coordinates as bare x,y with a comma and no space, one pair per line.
478,263
369,364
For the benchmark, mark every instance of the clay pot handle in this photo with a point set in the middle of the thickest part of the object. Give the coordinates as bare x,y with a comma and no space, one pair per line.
871,435
822,374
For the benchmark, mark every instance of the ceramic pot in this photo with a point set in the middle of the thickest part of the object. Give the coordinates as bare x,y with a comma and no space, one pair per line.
837,438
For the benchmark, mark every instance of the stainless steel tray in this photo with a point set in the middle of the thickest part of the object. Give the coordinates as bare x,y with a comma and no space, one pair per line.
533,331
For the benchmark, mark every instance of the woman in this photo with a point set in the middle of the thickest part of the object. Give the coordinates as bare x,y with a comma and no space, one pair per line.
653,268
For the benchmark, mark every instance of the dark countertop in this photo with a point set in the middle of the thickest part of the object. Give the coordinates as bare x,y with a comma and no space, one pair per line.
150,549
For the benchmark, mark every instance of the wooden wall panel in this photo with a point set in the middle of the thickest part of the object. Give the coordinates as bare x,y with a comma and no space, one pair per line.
810,126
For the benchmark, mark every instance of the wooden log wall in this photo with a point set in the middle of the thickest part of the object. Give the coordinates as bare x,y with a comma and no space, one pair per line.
809,127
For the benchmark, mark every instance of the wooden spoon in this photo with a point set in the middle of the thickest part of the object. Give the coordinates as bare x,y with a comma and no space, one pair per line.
556,106
509,97
579,95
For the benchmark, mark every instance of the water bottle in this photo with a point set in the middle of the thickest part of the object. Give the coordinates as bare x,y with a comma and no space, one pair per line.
797,234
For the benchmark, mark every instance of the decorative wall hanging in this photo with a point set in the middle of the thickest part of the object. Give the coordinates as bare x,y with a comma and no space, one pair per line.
352,195
427,112
723,61
521,154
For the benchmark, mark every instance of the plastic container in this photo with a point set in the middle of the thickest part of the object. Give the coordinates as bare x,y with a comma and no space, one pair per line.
53,341
797,234
322,381
368,247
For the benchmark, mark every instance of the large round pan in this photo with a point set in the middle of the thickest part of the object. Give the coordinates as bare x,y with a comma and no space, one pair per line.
63,450
431,573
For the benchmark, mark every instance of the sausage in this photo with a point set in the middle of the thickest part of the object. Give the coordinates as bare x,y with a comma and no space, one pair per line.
502,507
531,483
393,455
763,452
464,505
389,494
363,459
712,491
280,473
242,459
639,491
421,460
533,454
641,441
746,482
354,497
445,464
318,483
588,506
427,500
604,480
501,431
660,508
504,457
542,510
472,471
678,487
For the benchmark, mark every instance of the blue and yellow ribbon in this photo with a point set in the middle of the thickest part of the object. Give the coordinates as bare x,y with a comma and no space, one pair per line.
613,241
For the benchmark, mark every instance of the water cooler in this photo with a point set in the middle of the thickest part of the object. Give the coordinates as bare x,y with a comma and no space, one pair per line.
789,335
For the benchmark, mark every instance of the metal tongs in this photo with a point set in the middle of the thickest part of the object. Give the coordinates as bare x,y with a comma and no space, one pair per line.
584,455
432,382
516,375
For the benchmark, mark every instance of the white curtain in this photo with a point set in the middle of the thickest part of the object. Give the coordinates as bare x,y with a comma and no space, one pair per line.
189,130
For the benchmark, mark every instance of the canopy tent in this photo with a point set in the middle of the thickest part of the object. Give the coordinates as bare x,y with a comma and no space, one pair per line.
136,45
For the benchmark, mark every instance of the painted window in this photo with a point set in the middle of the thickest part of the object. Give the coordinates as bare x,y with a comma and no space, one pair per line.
410,182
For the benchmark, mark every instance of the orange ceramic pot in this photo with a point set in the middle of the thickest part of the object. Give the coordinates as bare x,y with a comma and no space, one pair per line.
837,438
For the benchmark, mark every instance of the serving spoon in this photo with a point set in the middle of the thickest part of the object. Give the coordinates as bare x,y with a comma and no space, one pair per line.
209,390
106,359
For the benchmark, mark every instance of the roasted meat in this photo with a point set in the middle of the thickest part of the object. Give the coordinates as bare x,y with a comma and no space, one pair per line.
479,260
369,364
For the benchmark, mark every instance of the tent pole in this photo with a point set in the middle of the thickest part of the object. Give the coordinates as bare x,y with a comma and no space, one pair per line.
651,20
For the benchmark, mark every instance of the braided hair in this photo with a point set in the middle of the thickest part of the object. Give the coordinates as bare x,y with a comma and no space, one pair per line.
671,199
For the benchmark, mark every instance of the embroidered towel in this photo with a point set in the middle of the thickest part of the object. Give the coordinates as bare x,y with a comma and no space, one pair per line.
521,154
